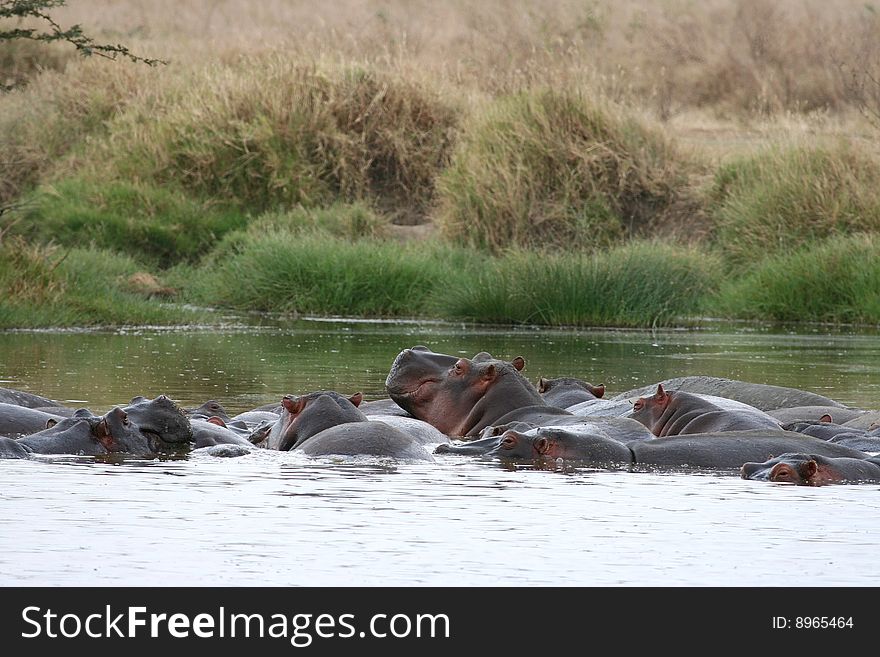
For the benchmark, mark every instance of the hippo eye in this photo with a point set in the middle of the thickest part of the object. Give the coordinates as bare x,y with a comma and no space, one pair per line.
125,421
638,405
508,442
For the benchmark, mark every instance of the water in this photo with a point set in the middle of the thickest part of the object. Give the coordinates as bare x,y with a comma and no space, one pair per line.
283,519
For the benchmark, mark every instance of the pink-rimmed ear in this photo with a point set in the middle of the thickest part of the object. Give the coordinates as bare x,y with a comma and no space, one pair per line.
356,398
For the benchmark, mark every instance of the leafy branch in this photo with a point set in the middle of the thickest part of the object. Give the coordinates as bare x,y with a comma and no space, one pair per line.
51,31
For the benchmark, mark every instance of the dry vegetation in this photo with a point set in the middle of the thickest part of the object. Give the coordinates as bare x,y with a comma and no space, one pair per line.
744,128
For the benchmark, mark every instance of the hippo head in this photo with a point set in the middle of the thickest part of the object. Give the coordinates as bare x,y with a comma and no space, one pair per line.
304,416
210,408
787,468
91,435
648,410
452,394
161,421
547,385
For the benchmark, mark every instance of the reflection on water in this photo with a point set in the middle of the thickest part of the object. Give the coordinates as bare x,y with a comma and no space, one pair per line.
282,519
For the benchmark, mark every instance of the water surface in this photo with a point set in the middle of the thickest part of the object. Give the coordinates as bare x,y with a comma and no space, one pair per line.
283,519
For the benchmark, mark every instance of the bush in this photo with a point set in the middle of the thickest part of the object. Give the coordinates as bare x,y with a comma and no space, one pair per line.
786,197
553,169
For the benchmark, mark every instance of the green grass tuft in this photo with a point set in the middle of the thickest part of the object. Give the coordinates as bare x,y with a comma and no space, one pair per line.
160,226
640,284
48,287
837,280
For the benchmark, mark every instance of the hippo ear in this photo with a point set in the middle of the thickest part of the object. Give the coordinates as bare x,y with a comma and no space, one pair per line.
542,385
808,469
826,418
599,390
51,422
138,399
661,393
216,420
542,445
519,363
82,412
490,373
356,398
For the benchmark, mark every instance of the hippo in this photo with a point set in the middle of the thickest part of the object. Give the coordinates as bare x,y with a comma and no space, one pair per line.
840,434
214,431
461,396
420,431
730,449
20,420
813,469
384,407
251,419
160,419
211,408
622,429
566,392
761,396
87,435
545,443
366,438
63,411
868,420
326,422
327,408
26,399
815,414
677,412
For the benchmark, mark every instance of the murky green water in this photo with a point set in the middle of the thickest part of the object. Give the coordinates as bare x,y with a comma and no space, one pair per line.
280,519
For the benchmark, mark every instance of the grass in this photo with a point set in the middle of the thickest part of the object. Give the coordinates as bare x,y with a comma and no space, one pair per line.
550,169
788,196
157,225
837,281
47,286
641,284
266,166
308,272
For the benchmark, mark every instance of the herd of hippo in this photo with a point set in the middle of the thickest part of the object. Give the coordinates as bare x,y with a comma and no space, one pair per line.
485,407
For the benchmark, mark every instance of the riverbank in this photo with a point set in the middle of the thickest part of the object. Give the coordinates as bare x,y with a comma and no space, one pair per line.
281,178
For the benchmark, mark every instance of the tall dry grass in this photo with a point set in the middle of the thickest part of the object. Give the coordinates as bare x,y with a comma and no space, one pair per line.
730,56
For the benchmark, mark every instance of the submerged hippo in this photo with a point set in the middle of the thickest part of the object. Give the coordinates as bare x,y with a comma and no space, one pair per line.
565,392
86,435
676,413
461,396
589,446
841,434
26,399
327,408
326,422
211,408
160,419
213,431
813,469
815,414
761,396
726,450
20,420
